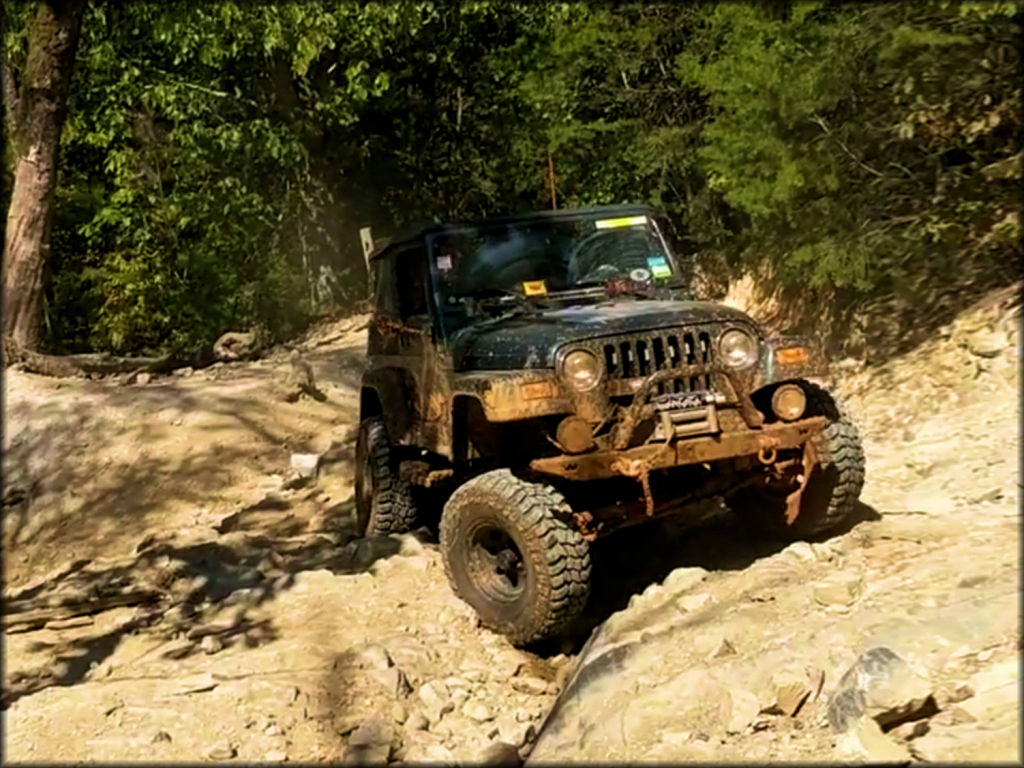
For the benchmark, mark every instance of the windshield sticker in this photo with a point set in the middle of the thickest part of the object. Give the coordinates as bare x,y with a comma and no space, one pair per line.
640,275
444,263
535,288
625,221
659,267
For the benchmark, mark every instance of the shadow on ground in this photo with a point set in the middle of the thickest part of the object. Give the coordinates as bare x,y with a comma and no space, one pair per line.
187,591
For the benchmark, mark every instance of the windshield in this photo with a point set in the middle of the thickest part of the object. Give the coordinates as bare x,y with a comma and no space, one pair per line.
541,257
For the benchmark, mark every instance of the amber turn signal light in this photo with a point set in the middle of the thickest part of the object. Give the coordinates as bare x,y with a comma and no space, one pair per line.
537,390
791,355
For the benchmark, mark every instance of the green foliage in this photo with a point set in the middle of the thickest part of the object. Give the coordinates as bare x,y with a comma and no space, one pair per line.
219,158
852,138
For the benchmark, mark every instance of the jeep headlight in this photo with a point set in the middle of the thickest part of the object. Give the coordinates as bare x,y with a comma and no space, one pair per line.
737,348
581,370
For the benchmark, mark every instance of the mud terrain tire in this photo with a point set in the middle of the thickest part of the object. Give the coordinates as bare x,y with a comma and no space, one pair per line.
384,502
832,489
510,552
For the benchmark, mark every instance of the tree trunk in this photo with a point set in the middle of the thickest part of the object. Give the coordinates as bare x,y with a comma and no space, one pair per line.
35,109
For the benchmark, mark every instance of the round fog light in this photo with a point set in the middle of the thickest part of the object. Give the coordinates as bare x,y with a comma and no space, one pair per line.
789,402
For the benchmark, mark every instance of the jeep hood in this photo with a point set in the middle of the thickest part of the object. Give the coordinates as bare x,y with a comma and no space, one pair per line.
530,341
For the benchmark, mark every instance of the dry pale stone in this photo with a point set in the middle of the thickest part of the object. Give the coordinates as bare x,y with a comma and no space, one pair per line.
436,700
500,753
224,751
211,644
683,579
399,713
865,741
533,686
373,657
305,464
417,722
477,711
839,591
693,603
745,709
786,693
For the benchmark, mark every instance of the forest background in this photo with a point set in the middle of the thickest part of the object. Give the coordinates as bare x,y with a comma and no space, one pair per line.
858,164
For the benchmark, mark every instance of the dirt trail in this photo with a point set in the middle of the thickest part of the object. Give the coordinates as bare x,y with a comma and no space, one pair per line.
279,635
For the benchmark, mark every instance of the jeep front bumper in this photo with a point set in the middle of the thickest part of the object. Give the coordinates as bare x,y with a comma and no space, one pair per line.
608,463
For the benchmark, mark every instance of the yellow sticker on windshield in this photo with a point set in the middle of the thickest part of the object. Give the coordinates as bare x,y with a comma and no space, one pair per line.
625,221
535,288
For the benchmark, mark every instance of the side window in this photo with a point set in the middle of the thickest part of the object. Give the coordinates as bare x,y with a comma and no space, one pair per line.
411,282
385,284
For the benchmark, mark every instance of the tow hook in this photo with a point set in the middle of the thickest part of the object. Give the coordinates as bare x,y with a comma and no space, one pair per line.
810,460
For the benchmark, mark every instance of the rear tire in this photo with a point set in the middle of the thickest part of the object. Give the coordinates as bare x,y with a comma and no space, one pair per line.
832,490
384,502
510,553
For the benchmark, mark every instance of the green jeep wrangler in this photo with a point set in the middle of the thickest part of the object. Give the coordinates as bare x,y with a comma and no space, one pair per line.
552,375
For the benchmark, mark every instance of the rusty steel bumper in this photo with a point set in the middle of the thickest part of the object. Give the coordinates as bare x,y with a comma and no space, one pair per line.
690,450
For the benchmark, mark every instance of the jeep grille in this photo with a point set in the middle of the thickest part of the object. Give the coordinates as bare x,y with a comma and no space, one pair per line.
638,356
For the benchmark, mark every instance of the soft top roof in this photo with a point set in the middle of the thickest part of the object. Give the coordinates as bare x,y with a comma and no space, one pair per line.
417,232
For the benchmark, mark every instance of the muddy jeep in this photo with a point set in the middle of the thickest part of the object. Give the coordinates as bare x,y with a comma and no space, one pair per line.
552,378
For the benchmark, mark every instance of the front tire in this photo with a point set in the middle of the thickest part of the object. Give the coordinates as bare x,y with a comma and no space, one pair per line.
832,490
510,553
384,502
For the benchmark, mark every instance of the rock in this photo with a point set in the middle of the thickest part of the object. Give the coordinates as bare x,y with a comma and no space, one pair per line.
952,715
712,645
693,603
683,579
184,372
882,686
417,562
373,656
500,753
142,379
478,712
745,709
909,731
533,686
276,756
865,741
179,649
454,683
161,736
392,679
215,627
801,551
987,345
437,753
839,590
993,494
305,464
399,714
371,741
961,693
436,700
417,722
409,544
211,644
69,623
224,751
273,730
786,693
507,729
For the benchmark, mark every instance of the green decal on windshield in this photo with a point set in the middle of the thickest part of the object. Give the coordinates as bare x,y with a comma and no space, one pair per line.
625,221
659,267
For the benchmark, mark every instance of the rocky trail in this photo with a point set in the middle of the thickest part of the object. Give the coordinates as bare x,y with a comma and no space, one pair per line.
182,582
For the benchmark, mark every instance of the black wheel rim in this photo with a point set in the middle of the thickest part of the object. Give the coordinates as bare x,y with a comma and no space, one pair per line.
495,564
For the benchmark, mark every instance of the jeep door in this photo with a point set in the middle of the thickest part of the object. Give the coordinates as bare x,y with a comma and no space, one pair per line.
408,358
